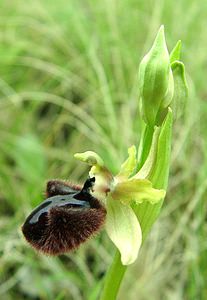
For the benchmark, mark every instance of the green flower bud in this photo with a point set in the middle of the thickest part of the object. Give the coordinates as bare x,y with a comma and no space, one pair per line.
156,81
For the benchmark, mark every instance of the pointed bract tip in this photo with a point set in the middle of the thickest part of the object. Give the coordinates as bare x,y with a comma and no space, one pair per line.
176,52
162,28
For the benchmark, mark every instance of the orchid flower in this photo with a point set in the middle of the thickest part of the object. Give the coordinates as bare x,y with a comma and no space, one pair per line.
117,193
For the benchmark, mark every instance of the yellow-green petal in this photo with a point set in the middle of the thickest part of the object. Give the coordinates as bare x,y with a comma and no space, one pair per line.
137,190
90,157
129,165
124,230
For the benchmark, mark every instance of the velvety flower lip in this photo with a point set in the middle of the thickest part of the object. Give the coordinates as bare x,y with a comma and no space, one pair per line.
118,193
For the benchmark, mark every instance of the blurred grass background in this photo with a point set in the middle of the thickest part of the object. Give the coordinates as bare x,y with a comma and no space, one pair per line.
68,83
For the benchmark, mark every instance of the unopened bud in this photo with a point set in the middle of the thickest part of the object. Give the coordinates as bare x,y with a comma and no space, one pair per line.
156,81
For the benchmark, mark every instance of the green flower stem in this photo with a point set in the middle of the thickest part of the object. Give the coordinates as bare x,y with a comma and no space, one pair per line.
113,278
115,275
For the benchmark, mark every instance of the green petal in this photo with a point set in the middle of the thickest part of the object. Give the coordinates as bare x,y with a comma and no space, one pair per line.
137,190
124,230
129,165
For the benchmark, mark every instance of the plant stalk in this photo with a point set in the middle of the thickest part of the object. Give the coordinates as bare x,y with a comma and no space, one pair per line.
113,278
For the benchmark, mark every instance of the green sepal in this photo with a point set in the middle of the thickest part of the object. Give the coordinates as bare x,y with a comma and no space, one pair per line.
124,230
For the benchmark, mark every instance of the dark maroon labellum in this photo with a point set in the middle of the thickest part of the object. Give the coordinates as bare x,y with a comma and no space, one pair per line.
67,218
